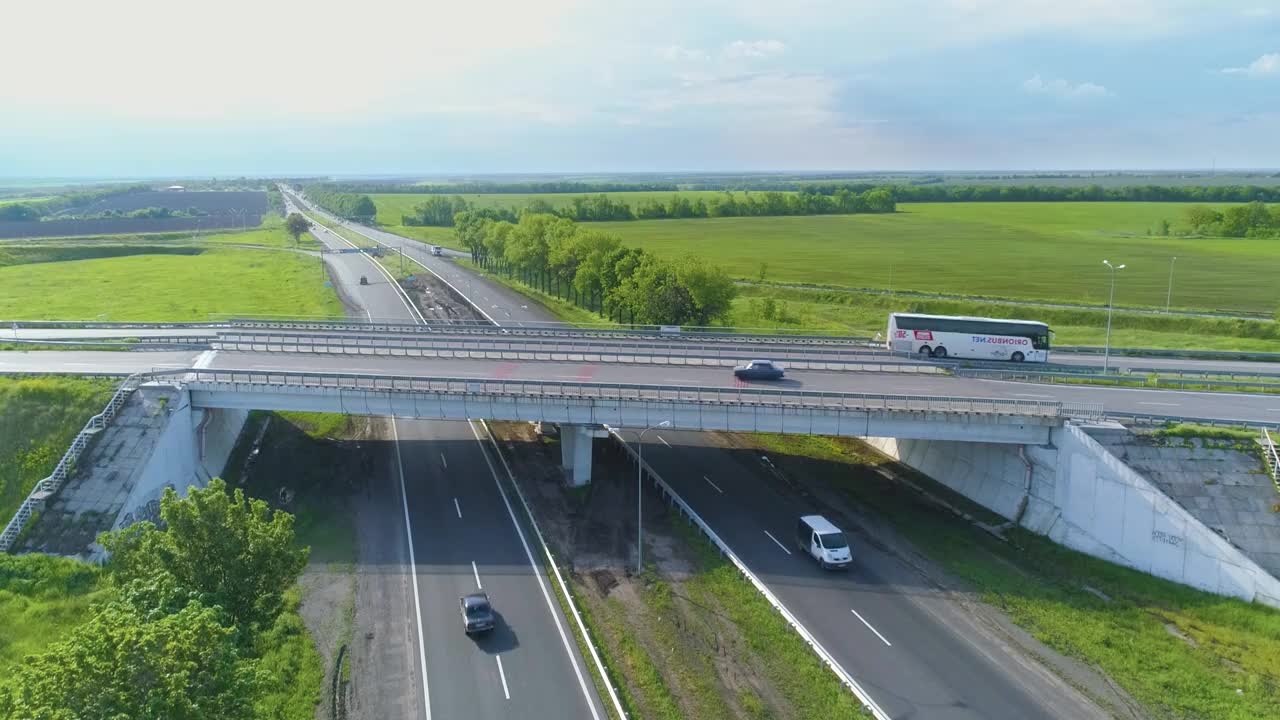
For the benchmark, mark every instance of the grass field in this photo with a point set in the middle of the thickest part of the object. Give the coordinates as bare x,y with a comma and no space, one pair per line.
42,599
1041,251
1180,652
38,419
217,281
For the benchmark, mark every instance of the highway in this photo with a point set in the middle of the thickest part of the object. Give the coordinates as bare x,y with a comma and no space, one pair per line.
914,651
460,536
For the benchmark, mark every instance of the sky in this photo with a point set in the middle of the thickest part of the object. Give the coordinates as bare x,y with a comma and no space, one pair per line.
140,88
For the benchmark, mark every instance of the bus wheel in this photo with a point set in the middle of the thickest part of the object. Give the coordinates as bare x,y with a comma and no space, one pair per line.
939,352
1017,357
925,351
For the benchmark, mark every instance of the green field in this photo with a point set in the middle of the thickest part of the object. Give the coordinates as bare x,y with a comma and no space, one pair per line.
38,419
42,599
1041,251
214,281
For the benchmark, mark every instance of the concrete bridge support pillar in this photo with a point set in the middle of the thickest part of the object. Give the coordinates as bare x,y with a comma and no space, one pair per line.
575,452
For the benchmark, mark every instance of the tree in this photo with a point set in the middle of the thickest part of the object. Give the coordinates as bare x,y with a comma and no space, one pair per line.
121,665
1162,228
710,288
1202,218
296,224
234,551
18,212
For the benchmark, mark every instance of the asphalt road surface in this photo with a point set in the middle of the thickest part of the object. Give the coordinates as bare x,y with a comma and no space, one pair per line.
915,652
529,665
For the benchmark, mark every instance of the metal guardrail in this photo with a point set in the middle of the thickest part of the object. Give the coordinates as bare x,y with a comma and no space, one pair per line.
1271,457
66,466
625,391
1162,352
822,653
1133,418
1098,378
509,348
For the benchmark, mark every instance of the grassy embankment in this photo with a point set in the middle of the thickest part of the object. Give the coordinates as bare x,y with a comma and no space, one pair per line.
146,283
1181,652
39,417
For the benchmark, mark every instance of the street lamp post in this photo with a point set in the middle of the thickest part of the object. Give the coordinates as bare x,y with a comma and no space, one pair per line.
1168,299
1106,352
640,495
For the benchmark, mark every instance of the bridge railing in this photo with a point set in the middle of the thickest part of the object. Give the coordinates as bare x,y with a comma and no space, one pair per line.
66,466
577,350
1271,457
762,397
1180,380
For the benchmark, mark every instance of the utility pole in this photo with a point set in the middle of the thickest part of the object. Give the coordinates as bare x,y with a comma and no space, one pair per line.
1169,297
402,259
1106,352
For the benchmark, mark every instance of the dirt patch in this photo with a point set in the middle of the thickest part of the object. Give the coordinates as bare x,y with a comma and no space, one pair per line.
674,649
437,301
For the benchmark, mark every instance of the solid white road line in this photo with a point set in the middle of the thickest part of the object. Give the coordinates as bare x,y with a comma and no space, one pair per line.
506,693
537,574
457,507
1160,404
413,567
877,632
476,572
717,487
1032,396
664,441
775,541
444,462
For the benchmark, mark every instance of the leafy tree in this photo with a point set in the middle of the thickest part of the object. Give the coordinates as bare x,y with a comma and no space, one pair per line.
121,665
709,287
1162,228
296,224
234,551
1202,218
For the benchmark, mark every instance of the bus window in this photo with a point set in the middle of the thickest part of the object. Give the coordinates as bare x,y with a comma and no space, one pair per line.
1040,342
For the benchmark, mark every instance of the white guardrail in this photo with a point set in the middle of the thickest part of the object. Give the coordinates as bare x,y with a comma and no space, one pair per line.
801,630
66,466
1272,457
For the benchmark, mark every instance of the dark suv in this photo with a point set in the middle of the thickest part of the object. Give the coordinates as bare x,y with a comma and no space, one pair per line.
477,613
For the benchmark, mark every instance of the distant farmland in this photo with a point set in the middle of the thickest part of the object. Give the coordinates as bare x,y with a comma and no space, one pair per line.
1040,251
211,203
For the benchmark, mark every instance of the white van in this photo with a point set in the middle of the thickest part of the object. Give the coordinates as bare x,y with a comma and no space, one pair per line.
437,250
823,542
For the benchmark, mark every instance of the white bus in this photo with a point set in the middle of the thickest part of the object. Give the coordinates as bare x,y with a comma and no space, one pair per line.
943,336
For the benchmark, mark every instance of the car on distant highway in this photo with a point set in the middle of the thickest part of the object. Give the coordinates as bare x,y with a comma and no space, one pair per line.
437,250
477,613
364,279
759,370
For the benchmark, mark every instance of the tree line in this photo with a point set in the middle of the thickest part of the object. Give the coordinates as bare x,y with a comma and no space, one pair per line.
440,211
1089,193
484,188
592,269
1254,219
191,609
350,206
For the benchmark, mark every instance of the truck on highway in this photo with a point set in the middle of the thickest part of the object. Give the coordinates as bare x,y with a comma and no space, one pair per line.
944,336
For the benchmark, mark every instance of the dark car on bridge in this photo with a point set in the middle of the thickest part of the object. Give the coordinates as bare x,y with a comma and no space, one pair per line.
758,370
477,613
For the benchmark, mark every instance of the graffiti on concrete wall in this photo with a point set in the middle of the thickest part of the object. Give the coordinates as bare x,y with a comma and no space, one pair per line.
148,511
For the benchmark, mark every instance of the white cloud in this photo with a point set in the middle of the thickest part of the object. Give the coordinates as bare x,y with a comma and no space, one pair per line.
1060,88
679,53
753,49
1268,64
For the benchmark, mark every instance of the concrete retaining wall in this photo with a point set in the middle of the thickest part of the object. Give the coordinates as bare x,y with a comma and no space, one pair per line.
173,463
1083,497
